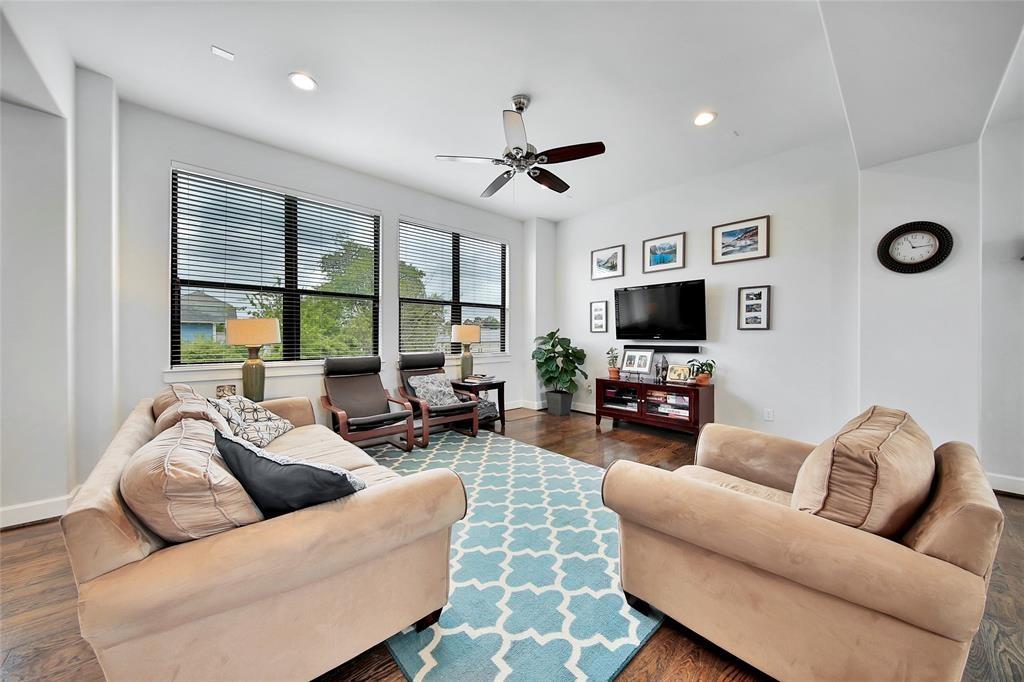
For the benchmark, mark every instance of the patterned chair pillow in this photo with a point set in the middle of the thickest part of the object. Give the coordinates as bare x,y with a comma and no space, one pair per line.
435,389
251,421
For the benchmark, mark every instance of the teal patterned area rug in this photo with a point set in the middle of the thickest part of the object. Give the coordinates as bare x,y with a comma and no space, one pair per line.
534,570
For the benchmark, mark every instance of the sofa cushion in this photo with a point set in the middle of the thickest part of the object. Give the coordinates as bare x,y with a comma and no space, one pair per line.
874,474
181,401
280,484
740,485
318,444
255,423
180,488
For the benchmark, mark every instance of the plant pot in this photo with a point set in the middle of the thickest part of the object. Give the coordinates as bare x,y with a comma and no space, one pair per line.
559,403
613,372
703,379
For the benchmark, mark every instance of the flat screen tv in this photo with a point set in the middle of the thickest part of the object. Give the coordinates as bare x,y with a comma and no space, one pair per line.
661,311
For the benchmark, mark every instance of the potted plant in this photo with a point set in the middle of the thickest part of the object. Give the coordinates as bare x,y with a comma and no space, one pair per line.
613,362
701,371
558,362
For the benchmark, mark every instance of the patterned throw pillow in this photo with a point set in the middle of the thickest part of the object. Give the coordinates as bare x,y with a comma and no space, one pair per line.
436,389
250,421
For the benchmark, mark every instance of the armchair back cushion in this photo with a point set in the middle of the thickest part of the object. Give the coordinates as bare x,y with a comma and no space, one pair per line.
875,474
419,364
962,522
353,385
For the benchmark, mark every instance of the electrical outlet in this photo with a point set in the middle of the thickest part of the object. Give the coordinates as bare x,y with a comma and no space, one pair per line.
769,414
590,388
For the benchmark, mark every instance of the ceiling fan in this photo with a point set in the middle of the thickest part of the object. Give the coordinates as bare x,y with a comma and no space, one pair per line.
522,157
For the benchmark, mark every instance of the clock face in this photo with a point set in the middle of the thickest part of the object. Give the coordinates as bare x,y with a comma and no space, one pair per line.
914,247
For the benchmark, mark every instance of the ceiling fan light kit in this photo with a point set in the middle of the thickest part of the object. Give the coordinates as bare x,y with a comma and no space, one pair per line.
522,157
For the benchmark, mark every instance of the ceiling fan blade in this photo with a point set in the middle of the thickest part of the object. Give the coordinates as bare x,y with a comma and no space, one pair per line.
571,152
469,159
515,130
498,183
548,179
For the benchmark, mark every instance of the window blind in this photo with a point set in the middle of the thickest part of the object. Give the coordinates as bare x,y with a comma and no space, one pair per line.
447,278
240,251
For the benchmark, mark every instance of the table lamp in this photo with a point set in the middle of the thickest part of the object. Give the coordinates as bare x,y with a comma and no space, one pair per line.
467,335
253,332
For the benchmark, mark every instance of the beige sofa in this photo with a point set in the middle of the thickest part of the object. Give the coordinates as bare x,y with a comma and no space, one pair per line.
283,599
717,547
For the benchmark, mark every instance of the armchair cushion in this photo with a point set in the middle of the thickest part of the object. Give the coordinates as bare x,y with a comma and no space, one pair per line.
457,408
377,420
874,474
435,389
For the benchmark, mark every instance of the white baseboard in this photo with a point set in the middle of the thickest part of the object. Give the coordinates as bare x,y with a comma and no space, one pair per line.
589,408
37,510
533,404
1006,483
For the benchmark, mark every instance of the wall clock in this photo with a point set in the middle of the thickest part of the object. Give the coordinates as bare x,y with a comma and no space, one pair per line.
915,247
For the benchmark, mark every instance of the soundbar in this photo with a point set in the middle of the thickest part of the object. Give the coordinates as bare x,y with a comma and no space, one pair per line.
662,349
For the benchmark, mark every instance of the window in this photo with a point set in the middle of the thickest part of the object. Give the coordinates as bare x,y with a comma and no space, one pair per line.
239,251
445,278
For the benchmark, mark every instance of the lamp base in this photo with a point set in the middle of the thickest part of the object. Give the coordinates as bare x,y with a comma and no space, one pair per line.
253,376
467,364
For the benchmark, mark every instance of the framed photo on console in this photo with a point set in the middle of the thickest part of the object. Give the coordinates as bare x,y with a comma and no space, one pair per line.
609,262
637,361
598,316
665,253
741,240
754,309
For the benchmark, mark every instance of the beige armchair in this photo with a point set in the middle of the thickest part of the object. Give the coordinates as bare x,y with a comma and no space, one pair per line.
717,547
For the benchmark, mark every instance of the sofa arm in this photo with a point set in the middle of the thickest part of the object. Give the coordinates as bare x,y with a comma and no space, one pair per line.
299,411
751,455
221,572
854,565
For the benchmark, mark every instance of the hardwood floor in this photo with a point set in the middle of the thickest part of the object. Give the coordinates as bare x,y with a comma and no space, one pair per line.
39,636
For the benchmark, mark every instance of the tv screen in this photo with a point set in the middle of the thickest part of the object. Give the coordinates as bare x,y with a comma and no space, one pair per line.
661,311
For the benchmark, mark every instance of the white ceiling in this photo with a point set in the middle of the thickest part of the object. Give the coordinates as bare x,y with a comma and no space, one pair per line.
919,76
401,82
1009,104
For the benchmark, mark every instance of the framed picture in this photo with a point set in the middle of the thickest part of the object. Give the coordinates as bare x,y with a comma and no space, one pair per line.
598,316
754,307
637,361
678,374
742,240
665,253
609,262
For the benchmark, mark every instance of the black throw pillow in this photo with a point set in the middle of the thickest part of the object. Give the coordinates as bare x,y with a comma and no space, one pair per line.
279,484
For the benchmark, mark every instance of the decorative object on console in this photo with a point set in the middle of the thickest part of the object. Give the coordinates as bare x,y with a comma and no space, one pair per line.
741,240
701,371
665,253
613,362
915,247
678,374
254,333
754,307
467,335
661,369
608,262
558,362
598,316
637,361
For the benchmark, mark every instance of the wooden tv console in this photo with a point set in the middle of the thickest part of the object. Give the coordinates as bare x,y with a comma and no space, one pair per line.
682,407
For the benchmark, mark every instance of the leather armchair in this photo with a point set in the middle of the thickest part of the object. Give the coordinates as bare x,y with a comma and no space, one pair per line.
465,412
360,405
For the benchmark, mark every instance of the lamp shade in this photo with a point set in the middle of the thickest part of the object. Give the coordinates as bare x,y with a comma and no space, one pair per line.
466,333
253,331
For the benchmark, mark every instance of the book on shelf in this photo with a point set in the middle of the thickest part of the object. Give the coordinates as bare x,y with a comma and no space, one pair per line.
673,411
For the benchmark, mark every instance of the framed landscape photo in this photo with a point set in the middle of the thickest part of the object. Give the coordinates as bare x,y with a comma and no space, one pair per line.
754,307
598,316
637,361
665,253
608,262
741,240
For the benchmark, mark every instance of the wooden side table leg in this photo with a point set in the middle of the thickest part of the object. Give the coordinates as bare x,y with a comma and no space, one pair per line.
501,406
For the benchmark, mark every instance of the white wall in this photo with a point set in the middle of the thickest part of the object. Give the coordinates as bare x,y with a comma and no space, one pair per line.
1002,304
540,300
804,367
35,437
920,333
151,142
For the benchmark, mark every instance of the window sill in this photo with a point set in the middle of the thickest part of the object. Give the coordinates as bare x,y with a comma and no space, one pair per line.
233,370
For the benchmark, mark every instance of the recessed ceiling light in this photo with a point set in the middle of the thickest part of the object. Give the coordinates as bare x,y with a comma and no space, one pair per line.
303,81
704,118
222,53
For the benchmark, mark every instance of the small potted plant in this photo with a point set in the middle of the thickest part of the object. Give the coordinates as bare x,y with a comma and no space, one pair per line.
613,362
558,362
701,371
